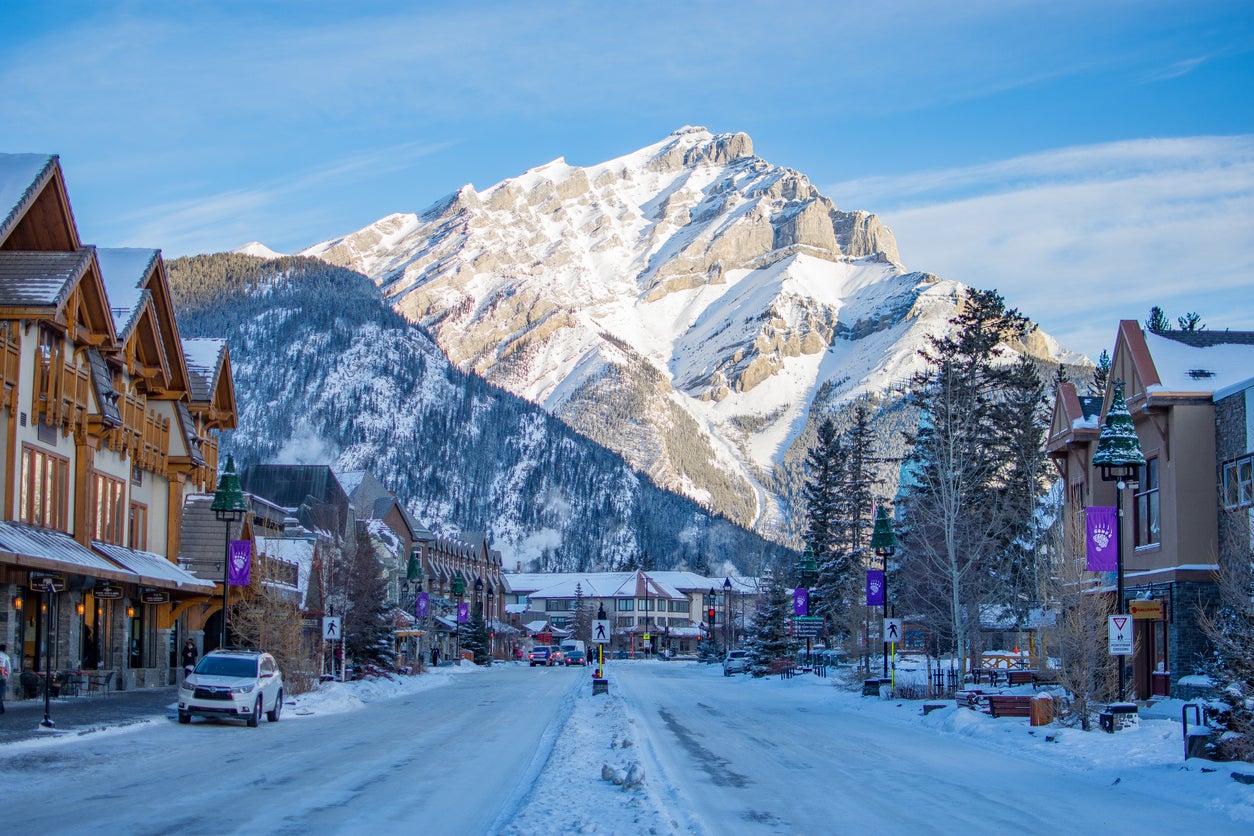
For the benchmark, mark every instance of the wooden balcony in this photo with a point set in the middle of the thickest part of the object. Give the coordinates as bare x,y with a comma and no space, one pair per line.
144,434
62,393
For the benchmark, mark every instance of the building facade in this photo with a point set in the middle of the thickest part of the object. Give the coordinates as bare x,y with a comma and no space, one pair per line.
106,427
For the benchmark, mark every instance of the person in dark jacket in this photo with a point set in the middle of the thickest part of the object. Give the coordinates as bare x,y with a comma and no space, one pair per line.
189,656
435,657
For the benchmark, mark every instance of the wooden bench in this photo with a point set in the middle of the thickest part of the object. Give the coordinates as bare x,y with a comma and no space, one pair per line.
1047,677
1008,705
1021,677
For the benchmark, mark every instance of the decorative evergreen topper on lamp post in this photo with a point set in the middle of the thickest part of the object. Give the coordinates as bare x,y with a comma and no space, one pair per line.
229,506
1118,459
884,541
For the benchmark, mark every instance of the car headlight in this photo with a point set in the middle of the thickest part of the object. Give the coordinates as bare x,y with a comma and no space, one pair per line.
244,689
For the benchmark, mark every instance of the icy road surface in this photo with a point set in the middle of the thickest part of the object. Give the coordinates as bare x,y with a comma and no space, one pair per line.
674,748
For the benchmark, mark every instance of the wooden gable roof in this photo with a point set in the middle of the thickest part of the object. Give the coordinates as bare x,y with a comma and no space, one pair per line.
1130,362
61,288
211,383
151,349
34,206
1074,420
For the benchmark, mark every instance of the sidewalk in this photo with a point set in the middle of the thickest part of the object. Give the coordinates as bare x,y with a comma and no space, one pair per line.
82,715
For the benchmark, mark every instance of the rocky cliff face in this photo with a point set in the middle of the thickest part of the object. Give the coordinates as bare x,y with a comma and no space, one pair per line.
687,305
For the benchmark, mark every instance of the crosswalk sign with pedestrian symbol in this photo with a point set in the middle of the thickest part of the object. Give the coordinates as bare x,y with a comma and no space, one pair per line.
892,630
1121,635
601,631
331,628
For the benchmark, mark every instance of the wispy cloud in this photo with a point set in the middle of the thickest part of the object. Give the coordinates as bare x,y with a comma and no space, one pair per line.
1175,69
203,223
1081,237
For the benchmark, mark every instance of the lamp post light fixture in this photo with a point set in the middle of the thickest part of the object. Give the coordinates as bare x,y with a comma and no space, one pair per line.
1118,459
884,541
229,506
727,630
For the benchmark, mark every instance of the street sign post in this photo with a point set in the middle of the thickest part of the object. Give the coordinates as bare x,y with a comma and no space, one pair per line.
1121,635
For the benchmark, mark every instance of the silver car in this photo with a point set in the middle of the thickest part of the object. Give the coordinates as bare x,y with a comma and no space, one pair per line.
736,661
239,684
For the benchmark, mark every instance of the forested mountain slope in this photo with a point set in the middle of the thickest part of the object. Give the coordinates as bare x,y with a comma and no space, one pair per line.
326,372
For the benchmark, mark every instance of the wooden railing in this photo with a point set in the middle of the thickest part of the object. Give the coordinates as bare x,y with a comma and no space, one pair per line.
144,434
62,392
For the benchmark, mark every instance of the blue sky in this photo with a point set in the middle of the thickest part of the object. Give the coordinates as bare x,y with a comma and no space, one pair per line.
1086,159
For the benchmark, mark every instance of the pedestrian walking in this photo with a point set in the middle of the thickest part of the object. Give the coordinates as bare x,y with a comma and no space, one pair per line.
189,656
6,665
435,657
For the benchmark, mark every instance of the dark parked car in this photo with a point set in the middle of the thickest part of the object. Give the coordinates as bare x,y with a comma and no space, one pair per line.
574,657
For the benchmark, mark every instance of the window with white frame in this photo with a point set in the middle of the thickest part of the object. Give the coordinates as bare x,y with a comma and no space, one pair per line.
625,605
1148,531
1238,484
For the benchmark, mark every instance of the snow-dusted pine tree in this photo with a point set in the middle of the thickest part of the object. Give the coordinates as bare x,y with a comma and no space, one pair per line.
769,639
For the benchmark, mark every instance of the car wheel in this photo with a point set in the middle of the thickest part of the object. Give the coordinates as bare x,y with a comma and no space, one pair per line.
273,714
185,717
255,717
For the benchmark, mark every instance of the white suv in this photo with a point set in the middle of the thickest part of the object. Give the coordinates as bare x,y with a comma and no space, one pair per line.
233,683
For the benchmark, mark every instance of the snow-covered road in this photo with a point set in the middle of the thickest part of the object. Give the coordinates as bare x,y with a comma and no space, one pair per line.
455,759
798,757
674,748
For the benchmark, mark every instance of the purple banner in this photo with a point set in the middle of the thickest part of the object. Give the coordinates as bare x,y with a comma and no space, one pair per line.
875,587
239,567
801,601
463,612
1102,527
422,605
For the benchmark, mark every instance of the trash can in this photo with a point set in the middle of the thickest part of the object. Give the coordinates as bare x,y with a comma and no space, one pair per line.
1041,710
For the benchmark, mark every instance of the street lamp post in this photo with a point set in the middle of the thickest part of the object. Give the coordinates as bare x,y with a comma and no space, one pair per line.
1118,459
229,506
884,541
490,629
413,579
809,570
459,589
727,630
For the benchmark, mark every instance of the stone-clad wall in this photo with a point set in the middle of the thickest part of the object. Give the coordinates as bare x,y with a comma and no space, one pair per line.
1232,439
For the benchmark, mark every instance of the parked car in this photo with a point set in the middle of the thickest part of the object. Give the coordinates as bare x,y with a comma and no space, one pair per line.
557,656
574,657
233,683
736,661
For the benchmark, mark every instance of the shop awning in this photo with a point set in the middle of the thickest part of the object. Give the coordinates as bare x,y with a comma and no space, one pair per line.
44,550
154,570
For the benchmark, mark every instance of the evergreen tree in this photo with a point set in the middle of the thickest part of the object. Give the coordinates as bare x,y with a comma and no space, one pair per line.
474,637
1192,321
959,517
583,617
1157,322
825,464
1101,375
367,625
769,638
708,649
1020,416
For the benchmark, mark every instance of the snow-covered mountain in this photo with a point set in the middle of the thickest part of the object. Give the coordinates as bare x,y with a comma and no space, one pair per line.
258,249
689,305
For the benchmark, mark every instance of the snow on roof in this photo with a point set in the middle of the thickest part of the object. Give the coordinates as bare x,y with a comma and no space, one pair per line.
673,583
1187,368
203,357
20,174
40,278
123,270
